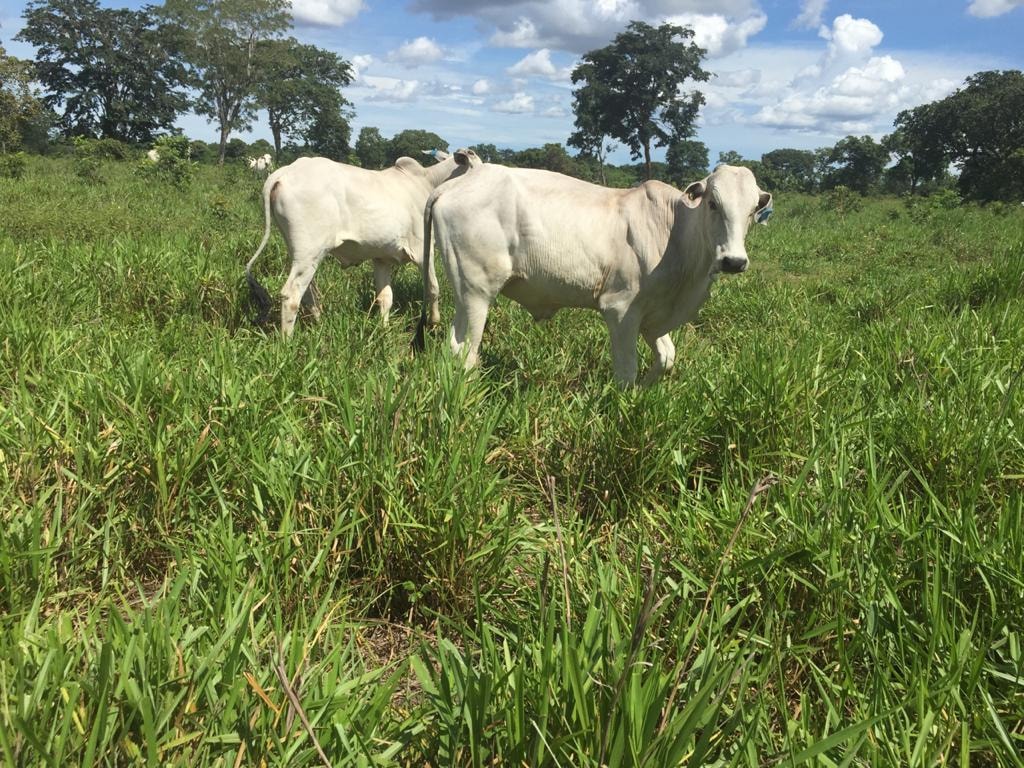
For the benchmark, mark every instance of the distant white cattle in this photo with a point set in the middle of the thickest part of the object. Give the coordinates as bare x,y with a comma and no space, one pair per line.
643,257
153,156
261,164
322,207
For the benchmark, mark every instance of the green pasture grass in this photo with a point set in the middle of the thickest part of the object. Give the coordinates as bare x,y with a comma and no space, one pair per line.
803,547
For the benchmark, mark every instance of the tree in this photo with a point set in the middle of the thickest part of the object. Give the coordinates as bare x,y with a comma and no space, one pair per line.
225,55
550,157
412,143
297,83
19,107
114,73
632,89
488,153
589,136
856,163
790,170
329,131
922,153
371,148
978,128
687,161
730,157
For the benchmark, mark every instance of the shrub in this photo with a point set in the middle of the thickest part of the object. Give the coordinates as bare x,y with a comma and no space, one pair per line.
87,159
842,200
12,165
174,163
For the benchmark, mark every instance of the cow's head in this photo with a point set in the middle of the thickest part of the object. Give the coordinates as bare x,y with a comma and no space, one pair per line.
467,158
728,201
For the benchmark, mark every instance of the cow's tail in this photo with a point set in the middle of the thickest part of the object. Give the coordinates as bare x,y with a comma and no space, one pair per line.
257,293
430,291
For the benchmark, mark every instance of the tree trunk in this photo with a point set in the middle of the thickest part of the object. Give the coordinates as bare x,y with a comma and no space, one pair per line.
647,158
225,131
275,129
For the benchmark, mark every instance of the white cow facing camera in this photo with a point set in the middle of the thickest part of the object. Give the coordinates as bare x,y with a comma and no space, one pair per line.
643,257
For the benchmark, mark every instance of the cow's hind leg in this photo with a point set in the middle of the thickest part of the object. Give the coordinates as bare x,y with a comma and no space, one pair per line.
468,326
664,356
382,285
625,332
303,270
311,300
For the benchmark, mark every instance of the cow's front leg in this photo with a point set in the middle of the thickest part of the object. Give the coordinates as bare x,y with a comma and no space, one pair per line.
625,332
382,285
664,356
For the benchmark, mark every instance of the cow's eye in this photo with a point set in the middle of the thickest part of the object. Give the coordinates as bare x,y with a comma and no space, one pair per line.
714,205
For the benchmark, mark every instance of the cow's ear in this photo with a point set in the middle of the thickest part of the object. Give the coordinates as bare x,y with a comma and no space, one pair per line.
694,193
764,208
464,156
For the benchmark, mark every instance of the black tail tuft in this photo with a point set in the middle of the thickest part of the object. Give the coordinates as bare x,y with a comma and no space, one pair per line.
261,300
419,343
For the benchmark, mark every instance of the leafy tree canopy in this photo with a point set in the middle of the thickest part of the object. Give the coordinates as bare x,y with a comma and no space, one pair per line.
411,144
854,162
19,107
687,161
112,73
631,89
329,131
790,170
225,55
371,148
979,129
299,84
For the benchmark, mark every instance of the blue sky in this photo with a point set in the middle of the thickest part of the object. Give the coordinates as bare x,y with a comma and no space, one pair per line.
789,73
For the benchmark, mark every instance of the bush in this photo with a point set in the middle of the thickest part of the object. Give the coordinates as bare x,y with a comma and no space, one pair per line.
842,200
174,163
924,209
12,166
202,152
87,159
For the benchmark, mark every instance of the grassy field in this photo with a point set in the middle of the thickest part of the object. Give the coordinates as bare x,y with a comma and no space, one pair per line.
804,547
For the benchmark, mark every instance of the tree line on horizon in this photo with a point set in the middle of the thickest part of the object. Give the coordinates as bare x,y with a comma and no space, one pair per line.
125,75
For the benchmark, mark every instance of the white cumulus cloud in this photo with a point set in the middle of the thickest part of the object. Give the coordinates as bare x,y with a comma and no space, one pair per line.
391,88
520,103
875,77
325,13
986,9
481,86
359,64
523,34
738,78
811,13
577,26
857,99
539,64
851,37
717,34
418,52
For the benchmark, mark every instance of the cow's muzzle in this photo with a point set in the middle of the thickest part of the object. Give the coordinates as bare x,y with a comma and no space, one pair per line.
733,265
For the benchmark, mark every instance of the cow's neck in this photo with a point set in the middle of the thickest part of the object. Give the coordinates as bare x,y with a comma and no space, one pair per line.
692,248
438,172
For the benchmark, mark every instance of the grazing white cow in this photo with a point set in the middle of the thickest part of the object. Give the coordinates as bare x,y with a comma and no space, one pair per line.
153,155
322,207
643,257
261,164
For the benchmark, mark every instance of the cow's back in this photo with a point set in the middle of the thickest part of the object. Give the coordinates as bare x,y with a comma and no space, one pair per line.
339,203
